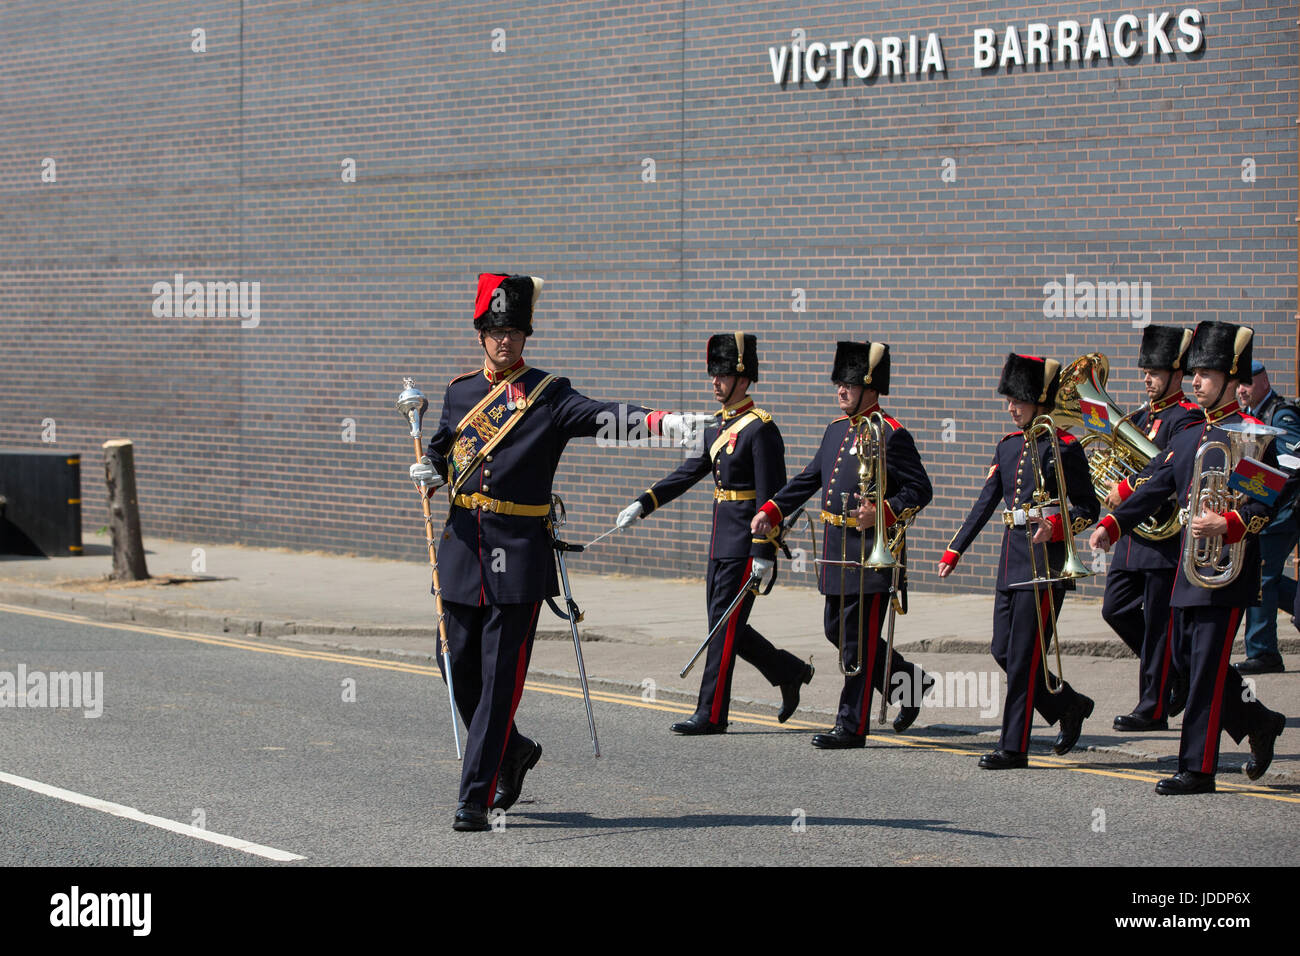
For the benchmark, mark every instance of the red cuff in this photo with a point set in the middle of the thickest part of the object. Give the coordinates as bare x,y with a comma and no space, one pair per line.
1236,528
890,517
653,422
1057,533
1111,526
773,513
1124,489
950,558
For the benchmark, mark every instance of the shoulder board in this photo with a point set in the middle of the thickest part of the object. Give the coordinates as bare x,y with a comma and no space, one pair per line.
893,422
459,378
1190,406
1250,419
763,414
842,418
1009,435
1064,437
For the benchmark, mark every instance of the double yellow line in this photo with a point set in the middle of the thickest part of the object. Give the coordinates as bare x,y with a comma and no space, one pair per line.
938,745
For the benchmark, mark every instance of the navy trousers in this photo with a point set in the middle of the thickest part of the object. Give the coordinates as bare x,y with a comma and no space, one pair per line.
1217,698
854,713
736,639
1018,651
1136,606
490,647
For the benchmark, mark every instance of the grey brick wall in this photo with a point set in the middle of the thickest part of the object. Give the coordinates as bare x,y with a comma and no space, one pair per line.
225,165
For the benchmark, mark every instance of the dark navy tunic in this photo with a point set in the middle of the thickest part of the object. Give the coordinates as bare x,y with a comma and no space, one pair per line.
834,470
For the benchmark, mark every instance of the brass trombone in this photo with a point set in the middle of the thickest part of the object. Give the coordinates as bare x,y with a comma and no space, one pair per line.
869,447
1072,568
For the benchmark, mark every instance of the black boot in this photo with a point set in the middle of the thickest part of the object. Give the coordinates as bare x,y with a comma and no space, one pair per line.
790,694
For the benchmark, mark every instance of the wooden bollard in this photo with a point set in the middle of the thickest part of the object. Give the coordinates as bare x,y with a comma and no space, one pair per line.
123,511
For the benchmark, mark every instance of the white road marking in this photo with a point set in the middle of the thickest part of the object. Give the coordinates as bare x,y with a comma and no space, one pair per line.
130,813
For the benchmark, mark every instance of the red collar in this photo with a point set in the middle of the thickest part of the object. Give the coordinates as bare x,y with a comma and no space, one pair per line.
1173,398
1222,412
494,377
731,411
860,416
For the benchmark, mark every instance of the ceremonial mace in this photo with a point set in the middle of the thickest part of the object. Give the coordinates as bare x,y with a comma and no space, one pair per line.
412,404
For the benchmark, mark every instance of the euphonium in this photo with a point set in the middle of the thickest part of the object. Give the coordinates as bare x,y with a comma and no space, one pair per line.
1203,558
1112,458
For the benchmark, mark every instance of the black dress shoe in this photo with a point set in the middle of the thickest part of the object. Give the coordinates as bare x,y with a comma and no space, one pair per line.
1138,722
1261,744
1072,724
790,694
510,778
1186,781
1004,760
1177,697
1259,665
838,739
471,818
696,725
908,713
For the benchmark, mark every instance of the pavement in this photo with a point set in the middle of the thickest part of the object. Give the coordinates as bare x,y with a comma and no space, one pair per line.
637,634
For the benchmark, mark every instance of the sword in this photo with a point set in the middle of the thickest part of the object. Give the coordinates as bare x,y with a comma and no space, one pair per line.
600,537
777,537
557,519
412,404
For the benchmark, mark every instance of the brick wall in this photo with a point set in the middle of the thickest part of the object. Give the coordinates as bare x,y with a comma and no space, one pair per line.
225,165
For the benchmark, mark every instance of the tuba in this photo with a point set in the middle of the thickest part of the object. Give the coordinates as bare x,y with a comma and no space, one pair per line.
1205,561
1112,458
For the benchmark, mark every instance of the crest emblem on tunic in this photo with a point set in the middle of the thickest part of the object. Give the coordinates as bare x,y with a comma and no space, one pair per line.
731,442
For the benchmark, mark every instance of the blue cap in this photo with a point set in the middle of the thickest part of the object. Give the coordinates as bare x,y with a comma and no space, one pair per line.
1256,367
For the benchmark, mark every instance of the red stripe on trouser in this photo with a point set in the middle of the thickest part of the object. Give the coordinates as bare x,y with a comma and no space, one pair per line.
521,672
720,688
869,668
1162,695
1210,757
1043,611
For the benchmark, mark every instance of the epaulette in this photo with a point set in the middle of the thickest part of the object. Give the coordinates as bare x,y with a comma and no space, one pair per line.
1250,419
464,376
1064,437
894,423
762,413
1190,406
1010,435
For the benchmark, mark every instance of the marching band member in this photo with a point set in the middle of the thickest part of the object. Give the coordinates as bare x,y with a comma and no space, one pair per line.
498,444
861,376
1217,698
1030,384
744,451
1141,576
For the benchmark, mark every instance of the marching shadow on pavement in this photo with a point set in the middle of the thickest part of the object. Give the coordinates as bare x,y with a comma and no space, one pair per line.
580,820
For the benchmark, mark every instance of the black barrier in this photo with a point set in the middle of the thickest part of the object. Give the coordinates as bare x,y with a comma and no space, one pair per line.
41,513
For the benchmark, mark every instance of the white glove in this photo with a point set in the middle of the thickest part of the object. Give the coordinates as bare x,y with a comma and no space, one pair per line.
422,474
761,567
629,514
683,429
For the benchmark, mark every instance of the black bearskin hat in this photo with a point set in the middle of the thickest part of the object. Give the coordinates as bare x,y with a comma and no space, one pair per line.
506,302
1028,378
862,363
733,353
1164,347
1223,347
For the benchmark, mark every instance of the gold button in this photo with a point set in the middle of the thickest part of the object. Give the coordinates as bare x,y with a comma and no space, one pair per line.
488,458
486,473
484,488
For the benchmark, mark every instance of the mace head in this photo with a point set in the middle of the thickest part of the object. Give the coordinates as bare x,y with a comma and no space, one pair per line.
412,404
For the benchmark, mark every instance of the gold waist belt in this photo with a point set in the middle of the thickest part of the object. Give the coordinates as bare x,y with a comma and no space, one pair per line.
839,520
727,494
477,500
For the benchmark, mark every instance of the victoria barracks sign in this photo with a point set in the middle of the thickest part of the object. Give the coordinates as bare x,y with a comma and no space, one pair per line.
1126,37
